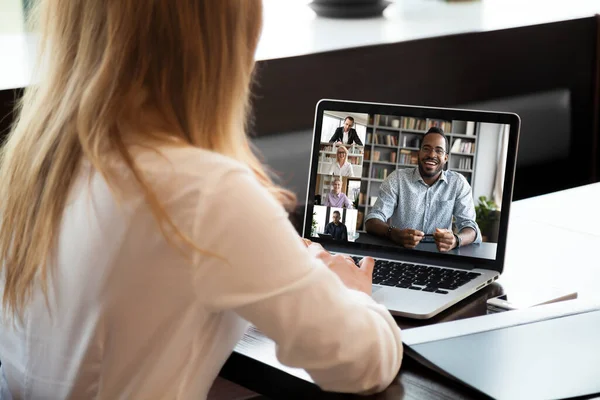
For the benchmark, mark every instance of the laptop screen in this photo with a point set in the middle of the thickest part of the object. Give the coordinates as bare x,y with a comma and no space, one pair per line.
411,179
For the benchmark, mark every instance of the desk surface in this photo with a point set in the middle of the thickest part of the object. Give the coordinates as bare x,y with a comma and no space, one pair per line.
552,240
292,29
482,250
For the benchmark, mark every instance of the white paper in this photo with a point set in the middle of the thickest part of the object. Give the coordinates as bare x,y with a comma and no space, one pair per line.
256,345
447,330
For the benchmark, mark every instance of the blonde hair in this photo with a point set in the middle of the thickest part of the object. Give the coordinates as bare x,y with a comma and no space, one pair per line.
343,148
115,70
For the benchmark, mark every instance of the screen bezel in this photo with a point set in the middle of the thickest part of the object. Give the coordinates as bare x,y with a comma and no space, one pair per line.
510,119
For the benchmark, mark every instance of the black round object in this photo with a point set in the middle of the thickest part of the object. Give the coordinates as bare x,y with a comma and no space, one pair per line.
349,8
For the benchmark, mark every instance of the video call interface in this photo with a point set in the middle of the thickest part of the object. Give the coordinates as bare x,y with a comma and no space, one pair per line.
414,183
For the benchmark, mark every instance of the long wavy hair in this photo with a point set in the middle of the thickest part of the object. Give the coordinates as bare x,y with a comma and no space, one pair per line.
113,72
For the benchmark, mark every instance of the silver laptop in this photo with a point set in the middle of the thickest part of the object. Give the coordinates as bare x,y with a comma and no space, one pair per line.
425,191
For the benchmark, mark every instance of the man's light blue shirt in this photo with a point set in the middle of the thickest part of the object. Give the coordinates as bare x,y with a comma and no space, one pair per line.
412,204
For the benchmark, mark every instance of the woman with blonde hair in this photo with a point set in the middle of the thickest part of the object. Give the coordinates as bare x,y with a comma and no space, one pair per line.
139,231
341,166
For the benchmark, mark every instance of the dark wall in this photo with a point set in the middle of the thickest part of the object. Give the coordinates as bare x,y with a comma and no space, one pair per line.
543,146
474,68
546,73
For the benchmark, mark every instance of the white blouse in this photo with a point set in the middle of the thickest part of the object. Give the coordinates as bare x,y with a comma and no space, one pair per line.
344,170
132,318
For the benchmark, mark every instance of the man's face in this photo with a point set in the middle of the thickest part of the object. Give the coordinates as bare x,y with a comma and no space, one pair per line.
337,187
347,124
336,218
432,156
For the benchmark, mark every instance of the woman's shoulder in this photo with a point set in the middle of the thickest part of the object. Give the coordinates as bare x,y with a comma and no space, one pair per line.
188,164
188,160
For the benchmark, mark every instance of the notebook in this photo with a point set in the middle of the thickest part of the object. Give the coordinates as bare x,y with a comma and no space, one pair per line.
426,191
544,352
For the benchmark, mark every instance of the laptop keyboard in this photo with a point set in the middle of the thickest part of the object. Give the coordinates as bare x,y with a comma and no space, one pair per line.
419,277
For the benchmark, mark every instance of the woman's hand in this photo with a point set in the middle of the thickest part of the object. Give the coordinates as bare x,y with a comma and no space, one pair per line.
354,277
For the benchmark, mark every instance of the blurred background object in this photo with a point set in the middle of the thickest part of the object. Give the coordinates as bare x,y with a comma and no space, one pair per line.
349,8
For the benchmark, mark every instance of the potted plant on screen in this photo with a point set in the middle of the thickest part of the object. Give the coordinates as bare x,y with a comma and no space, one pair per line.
487,217
313,229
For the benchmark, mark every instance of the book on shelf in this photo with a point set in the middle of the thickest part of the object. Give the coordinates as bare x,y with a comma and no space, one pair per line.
328,148
354,151
460,146
405,156
393,157
464,163
415,141
416,124
380,172
388,140
391,140
456,146
330,159
446,126
470,129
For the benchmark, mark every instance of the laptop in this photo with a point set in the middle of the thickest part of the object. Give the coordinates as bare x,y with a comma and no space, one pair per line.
384,193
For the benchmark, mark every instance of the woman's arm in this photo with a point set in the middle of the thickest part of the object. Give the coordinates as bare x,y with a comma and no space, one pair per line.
341,337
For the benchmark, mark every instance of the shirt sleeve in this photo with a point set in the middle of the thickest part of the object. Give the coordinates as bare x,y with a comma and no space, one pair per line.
387,201
341,337
351,173
347,202
357,138
464,209
333,137
332,168
345,233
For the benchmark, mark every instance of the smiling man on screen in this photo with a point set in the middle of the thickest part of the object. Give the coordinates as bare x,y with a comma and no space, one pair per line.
413,202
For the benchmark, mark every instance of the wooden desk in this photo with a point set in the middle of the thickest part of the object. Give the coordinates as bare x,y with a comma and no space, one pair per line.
553,240
481,250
